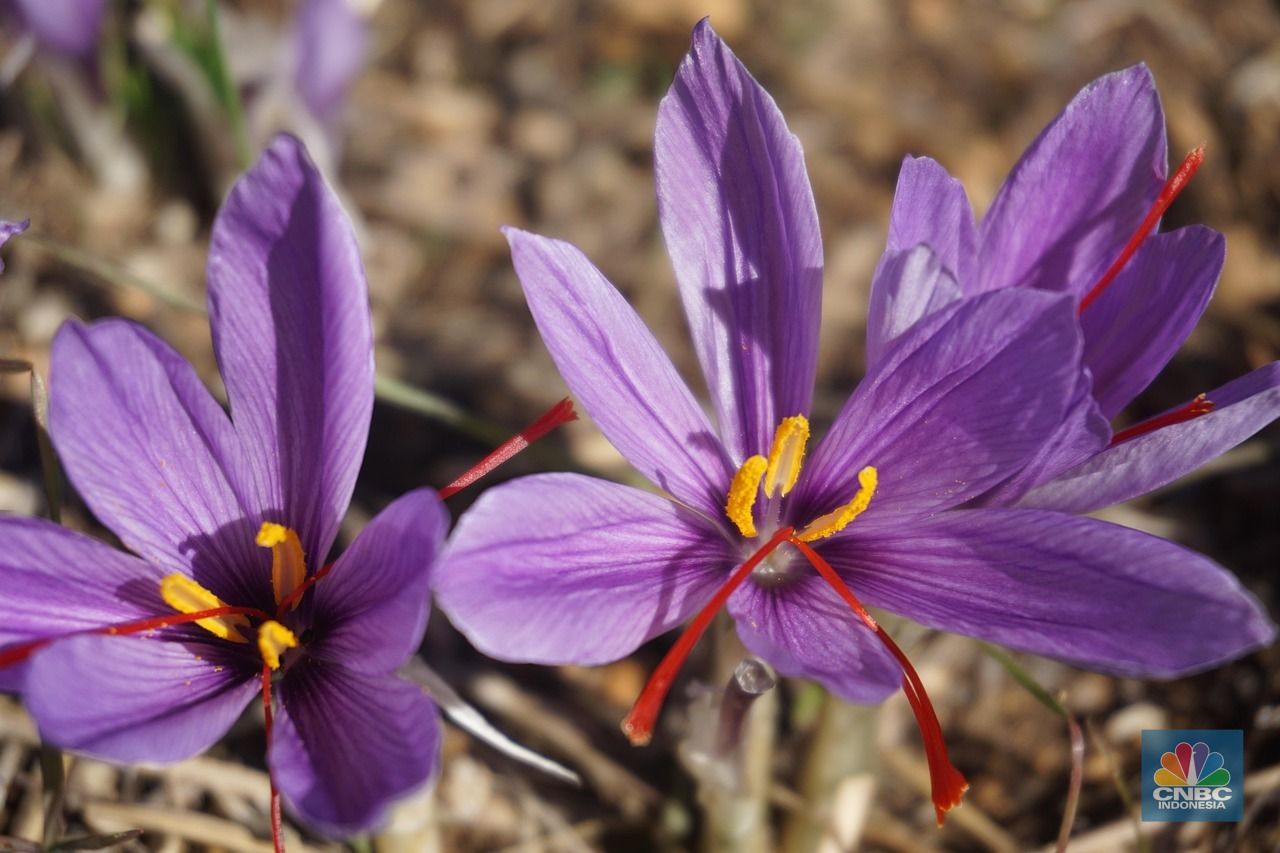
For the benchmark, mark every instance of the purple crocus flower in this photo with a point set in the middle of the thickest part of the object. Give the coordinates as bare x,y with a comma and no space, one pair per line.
562,568
152,657
330,43
66,27
11,229
1078,215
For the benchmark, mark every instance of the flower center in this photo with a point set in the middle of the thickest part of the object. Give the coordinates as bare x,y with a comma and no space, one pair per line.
768,567
288,582
777,475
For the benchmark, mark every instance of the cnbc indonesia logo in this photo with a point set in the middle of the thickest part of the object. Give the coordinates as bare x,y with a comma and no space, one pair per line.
1192,775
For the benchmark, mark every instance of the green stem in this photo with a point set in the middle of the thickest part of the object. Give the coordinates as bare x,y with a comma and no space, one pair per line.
226,87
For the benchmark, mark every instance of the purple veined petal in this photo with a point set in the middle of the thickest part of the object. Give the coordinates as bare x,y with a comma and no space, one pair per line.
931,207
619,372
742,230
331,39
804,630
908,286
371,608
562,568
154,456
11,229
1083,433
137,698
289,310
57,582
1080,590
1076,196
69,27
959,404
347,744
1137,324
1139,465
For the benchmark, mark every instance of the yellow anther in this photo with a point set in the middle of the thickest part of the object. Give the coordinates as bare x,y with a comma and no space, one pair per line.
742,495
288,563
273,640
186,596
786,455
836,520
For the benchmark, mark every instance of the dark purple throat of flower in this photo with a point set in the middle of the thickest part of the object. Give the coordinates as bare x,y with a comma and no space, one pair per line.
774,476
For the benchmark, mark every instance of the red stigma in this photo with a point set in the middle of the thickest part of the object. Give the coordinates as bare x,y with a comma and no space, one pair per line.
1177,183
947,782
18,653
559,414
1201,405
638,726
300,590
277,826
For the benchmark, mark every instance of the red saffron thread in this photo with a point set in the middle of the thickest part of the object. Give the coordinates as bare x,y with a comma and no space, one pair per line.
948,783
1201,405
300,590
560,413
277,828
638,725
20,652
1177,183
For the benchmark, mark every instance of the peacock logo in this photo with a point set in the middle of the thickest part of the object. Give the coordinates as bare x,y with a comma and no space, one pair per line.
1192,765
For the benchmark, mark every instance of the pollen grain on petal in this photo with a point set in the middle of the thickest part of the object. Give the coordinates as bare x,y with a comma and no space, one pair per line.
838,519
787,455
742,495
186,596
288,563
274,640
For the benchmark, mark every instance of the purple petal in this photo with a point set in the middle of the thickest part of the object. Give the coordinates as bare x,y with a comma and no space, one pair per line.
1103,596
346,744
1139,465
1083,433
289,311
562,568
56,582
1081,189
1137,324
331,40
619,372
740,224
931,207
959,404
69,27
153,455
804,630
132,699
10,229
370,611
908,286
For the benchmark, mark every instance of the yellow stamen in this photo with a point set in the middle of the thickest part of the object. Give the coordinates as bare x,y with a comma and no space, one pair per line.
273,640
786,455
186,596
742,495
288,563
836,520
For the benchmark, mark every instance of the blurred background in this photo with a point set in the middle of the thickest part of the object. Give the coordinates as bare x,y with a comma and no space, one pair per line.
440,121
